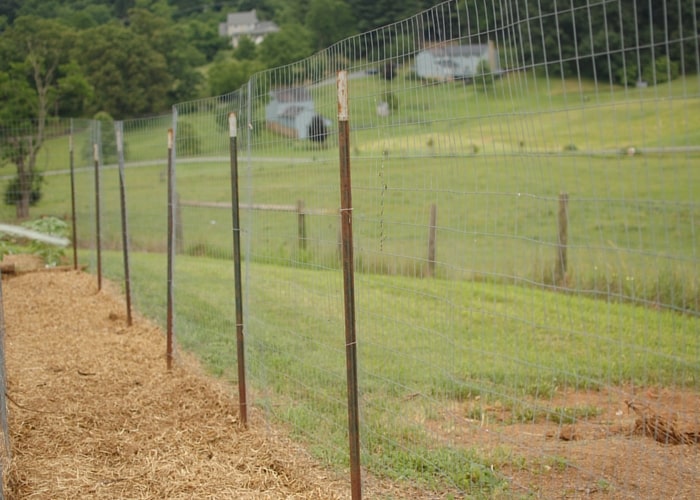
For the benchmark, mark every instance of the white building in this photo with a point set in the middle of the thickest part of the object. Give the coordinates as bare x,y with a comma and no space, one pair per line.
449,62
240,24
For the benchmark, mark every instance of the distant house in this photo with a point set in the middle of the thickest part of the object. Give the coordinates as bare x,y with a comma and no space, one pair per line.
291,112
451,62
239,24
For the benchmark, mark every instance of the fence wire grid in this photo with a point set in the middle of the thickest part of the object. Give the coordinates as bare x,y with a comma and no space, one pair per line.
525,223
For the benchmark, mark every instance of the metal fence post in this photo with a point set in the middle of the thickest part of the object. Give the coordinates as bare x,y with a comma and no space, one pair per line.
171,257
349,285
119,132
96,159
71,156
235,202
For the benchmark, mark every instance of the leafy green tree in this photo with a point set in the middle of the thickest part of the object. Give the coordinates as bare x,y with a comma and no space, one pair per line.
74,91
32,52
181,57
290,44
121,8
9,8
610,41
246,49
372,14
129,77
329,21
159,8
46,9
229,76
203,36
86,17
281,11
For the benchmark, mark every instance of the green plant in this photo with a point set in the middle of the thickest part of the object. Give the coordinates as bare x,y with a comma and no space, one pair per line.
52,226
6,247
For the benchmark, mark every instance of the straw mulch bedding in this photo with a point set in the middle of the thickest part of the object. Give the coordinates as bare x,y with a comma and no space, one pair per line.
94,413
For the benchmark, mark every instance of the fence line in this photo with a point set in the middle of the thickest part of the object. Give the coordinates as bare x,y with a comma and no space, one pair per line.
560,286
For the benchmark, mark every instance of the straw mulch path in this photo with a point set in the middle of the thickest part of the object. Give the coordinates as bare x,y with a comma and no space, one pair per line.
94,413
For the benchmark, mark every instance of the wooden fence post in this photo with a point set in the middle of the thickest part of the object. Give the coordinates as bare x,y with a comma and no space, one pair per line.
431,240
302,225
563,237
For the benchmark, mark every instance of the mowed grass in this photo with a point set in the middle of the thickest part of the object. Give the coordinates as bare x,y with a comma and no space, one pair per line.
421,345
631,220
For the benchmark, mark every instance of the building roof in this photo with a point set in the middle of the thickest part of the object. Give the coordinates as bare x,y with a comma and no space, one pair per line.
293,111
264,28
458,50
291,94
246,23
242,18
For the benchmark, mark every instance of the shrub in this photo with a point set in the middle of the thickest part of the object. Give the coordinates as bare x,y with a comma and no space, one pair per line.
188,141
13,194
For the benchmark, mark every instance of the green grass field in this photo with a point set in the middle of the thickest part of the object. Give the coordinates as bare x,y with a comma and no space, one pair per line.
445,340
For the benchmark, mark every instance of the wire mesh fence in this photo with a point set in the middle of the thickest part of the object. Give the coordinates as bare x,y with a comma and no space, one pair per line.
524,217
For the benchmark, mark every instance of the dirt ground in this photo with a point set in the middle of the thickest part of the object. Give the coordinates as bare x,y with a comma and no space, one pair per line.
94,413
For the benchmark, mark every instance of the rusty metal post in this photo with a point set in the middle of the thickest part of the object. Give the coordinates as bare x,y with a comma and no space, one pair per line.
98,231
171,257
235,204
432,230
563,238
349,285
71,156
119,132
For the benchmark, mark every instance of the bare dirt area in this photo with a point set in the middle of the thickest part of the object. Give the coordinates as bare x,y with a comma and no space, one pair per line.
641,443
94,413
